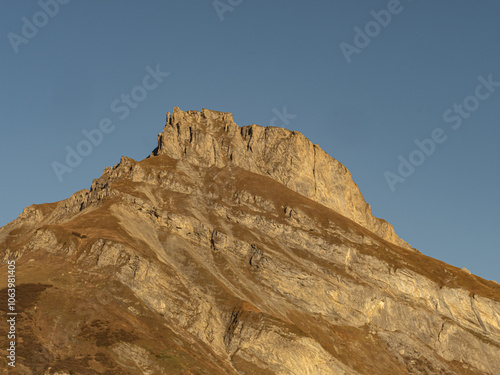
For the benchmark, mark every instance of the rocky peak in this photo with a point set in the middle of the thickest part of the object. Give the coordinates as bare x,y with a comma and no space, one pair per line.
212,139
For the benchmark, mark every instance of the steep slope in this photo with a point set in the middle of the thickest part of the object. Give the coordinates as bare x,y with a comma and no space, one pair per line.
235,251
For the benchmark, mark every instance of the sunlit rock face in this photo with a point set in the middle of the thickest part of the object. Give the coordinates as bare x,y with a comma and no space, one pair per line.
210,138
236,250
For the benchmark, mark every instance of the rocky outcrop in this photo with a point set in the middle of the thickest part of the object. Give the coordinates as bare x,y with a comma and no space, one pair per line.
216,262
210,138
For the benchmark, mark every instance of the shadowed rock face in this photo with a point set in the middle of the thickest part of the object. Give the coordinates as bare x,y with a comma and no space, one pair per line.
235,251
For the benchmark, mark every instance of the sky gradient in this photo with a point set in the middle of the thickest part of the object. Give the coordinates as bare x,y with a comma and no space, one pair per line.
412,70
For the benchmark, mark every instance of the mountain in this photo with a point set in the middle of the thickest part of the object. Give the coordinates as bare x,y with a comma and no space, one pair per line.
235,250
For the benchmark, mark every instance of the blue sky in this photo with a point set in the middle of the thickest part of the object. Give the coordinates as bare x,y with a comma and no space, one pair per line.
254,58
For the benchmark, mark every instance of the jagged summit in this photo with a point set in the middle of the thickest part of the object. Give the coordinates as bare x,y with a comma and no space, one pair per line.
211,138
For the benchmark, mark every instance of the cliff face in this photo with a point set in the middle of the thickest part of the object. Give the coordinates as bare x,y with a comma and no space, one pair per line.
210,138
236,251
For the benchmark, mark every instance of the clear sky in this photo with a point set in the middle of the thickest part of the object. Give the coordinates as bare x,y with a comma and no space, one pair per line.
366,80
